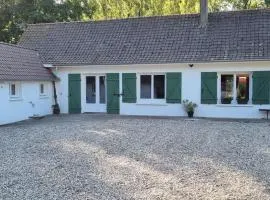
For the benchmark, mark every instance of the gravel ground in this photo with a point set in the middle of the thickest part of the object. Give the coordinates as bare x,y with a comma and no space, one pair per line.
112,157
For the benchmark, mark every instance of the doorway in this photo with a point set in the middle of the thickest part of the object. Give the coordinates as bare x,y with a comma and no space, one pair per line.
95,93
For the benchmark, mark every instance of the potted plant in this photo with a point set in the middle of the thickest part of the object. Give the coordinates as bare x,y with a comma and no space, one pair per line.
56,109
189,107
226,100
242,99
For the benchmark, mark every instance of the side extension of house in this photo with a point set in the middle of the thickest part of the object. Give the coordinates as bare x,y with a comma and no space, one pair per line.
25,85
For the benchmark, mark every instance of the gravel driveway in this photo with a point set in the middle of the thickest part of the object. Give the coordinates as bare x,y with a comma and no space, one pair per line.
112,157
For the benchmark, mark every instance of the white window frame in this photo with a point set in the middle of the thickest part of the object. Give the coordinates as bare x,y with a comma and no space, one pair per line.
18,92
151,100
45,90
97,77
234,101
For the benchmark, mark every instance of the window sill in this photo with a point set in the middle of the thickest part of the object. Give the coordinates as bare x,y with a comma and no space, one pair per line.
152,103
43,96
95,103
235,105
15,99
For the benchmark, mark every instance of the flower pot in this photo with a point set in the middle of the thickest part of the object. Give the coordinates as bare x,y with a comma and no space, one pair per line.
190,114
56,109
242,101
226,101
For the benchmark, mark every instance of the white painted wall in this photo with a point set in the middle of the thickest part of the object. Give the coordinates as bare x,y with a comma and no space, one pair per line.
191,88
30,103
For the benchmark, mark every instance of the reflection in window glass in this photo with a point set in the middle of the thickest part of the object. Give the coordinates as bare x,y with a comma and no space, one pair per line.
13,90
146,86
91,89
159,86
242,85
226,89
102,89
41,88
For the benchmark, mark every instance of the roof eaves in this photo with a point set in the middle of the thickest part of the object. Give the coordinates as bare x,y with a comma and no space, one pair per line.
17,46
184,62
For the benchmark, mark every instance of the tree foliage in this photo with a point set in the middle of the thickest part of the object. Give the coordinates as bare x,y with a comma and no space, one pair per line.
247,4
16,14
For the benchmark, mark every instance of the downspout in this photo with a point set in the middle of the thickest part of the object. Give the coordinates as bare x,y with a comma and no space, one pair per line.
55,107
54,93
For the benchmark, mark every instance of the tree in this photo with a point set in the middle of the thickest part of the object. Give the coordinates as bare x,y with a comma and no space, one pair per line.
16,14
247,4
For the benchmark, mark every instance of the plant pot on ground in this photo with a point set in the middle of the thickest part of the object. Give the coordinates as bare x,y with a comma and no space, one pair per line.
190,114
56,109
189,107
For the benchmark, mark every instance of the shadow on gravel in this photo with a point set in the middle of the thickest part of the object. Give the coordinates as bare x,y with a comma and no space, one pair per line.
114,157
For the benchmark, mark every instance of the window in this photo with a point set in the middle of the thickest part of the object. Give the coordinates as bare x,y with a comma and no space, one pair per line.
95,89
15,90
91,89
146,87
159,86
226,89
43,90
152,86
102,92
242,85
234,88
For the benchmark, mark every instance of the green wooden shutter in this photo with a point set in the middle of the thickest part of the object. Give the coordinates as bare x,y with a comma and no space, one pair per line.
129,87
74,89
113,100
174,87
261,88
209,88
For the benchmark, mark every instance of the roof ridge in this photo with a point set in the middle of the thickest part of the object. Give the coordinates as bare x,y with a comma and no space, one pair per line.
154,16
113,19
18,46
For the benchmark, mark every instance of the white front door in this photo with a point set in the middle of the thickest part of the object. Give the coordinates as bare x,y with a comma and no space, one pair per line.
95,93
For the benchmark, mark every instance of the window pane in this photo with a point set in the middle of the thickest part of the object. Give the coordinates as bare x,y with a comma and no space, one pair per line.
13,89
102,89
242,85
91,89
226,89
159,86
41,89
146,86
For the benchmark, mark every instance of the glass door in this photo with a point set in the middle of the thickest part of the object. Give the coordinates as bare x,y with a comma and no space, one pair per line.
95,93
91,89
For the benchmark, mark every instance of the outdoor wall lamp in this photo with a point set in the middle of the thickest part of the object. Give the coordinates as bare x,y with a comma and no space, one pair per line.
190,65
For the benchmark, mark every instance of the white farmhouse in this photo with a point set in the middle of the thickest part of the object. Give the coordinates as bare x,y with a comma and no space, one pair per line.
149,65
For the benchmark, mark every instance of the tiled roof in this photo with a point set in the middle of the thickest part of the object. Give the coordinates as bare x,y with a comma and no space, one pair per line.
21,64
229,36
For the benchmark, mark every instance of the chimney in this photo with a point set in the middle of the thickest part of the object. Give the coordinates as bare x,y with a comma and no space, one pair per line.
204,12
